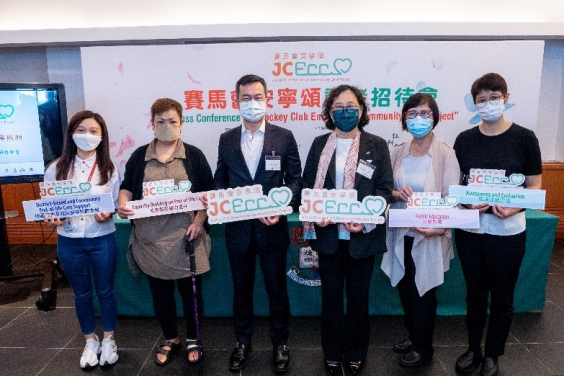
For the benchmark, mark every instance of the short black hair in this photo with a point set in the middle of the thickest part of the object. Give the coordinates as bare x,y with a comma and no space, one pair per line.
333,94
416,100
489,81
249,79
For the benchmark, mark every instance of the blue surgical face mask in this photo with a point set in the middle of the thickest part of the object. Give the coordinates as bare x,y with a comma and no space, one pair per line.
419,127
345,120
492,112
253,111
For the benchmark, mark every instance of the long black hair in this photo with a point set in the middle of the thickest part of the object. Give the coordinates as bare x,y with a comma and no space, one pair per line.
65,164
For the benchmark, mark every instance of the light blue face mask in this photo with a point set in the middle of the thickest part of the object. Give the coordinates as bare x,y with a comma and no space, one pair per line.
419,127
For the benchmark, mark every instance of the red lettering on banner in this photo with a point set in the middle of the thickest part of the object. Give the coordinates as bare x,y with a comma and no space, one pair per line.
269,97
311,97
194,99
217,99
234,103
287,97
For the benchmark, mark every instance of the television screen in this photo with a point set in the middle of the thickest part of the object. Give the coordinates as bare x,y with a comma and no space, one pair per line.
33,118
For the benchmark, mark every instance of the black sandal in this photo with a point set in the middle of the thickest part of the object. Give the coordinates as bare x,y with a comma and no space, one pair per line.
192,346
169,354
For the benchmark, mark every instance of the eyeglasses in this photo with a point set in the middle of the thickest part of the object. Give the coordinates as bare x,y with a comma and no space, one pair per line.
248,98
348,109
493,101
424,114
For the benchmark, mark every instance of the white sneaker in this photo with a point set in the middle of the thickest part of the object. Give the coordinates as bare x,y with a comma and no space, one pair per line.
109,352
89,356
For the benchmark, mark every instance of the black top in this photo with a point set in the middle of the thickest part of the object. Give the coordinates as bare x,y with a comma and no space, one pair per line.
195,163
381,183
232,172
516,151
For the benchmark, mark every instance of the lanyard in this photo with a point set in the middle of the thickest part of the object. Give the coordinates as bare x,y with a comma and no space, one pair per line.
92,172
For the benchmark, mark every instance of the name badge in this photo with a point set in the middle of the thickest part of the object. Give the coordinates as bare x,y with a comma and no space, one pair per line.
365,168
273,162
69,227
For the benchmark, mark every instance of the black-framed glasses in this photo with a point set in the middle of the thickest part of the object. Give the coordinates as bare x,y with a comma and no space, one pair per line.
424,114
493,101
350,108
248,98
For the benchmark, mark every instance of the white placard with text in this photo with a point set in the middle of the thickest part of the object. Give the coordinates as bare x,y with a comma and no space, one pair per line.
243,203
168,204
436,218
69,206
340,206
509,197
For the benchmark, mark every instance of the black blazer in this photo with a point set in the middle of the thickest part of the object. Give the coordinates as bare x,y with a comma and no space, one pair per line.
232,172
381,184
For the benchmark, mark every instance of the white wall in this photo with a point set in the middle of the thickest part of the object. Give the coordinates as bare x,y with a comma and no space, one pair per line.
40,41
73,21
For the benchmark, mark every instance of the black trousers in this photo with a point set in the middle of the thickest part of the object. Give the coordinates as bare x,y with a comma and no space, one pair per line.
420,311
491,265
345,336
273,266
164,304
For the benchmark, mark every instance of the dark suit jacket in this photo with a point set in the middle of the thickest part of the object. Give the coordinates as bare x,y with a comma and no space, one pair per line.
381,184
232,172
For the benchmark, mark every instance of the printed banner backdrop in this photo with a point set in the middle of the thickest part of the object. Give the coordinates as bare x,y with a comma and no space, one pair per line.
122,82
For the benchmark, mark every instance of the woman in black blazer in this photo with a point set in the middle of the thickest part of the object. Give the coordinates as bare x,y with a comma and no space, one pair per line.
347,251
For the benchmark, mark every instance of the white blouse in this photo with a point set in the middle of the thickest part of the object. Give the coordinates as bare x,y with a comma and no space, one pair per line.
86,226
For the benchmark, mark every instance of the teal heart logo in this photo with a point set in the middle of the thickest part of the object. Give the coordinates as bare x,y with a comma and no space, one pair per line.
374,204
184,186
342,66
84,187
6,110
517,179
280,196
451,200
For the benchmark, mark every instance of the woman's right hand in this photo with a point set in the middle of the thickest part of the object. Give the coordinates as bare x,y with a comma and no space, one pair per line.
53,220
403,194
324,222
124,212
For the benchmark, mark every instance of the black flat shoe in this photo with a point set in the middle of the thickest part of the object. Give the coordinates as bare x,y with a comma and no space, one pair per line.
281,359
489,367
403,347
170,354
414,359
334,367
238,359
468,362
355,367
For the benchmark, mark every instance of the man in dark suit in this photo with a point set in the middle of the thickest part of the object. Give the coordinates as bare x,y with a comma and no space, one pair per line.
258,152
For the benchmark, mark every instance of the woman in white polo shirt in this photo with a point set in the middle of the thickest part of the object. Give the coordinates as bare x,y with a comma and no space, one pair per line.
86,245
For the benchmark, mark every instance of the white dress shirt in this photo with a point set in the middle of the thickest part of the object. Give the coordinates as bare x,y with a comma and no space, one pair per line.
86,226
251,146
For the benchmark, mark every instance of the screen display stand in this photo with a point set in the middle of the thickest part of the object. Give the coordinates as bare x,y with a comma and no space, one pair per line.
5,257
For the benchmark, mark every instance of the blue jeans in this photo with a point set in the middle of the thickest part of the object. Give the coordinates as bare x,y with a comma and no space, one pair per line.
82,259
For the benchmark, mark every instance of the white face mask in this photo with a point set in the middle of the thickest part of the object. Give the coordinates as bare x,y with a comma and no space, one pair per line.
252,111
86,142
490,112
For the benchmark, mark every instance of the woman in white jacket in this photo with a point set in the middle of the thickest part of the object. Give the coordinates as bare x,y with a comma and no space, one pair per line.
418,257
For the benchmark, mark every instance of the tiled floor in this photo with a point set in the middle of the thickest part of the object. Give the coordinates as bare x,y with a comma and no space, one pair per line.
34,342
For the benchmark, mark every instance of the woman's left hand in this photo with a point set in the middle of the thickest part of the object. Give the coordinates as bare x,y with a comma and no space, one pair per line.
195,230
269,221
354,227
430,232
102,217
